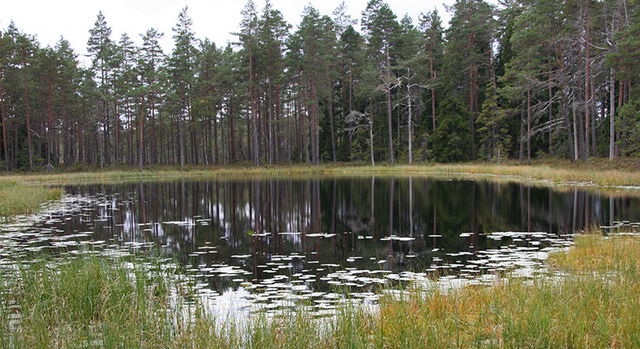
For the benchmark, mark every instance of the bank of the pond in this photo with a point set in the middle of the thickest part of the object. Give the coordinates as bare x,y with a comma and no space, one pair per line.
18,197
621,172
102,302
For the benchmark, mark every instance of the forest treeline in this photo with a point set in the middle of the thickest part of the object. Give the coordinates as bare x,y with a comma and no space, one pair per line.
522,79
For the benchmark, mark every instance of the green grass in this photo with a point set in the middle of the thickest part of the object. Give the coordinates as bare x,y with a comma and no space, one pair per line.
101,301
17,197
84,301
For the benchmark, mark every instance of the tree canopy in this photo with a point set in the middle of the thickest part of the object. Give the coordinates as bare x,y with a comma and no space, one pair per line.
523,79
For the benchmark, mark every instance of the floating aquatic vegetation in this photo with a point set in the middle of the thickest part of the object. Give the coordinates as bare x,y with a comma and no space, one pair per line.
275,268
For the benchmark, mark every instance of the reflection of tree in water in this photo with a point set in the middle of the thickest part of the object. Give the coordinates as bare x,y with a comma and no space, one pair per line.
434,212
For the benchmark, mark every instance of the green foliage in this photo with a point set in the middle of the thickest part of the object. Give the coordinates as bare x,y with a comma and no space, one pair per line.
493,127
181,63
469,37
452,141
381,27
282,94
629,124
627,54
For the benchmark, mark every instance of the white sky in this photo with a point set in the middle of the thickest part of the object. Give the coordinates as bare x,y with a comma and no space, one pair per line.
213,19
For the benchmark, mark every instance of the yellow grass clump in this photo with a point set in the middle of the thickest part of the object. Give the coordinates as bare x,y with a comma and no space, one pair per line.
20,198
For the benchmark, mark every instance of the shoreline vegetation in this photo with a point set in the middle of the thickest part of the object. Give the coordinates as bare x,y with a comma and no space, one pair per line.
18,197
98,301
22,193
599,172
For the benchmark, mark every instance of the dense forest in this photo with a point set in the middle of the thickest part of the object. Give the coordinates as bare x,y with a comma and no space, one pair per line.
522,79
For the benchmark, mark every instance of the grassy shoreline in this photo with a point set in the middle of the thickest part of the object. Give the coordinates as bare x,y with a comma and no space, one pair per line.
597,172
21,198
102,301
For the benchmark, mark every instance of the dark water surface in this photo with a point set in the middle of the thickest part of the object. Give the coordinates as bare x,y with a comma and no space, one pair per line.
276,241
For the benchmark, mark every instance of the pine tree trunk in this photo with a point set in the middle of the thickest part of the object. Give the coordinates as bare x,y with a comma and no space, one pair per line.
313,113
587,80
331,126
181,143
215,144
29,142
232,134
194,136
373,162
350,137
612,114
141,137
409,125
521,138
529,126
4,137
116,143
576,132
389,113
550,111
269,121
154,142
49,122
433,95
254,106
390,127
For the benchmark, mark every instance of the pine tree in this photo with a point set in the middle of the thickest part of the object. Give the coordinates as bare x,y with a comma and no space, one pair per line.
25,50
433,51
208,98
317,42
469,38
625,61
351,56
68,104
126,95
102,52
381,28
249,39
150,59
181,66
493,127
410,69
452,139
5,54
272,33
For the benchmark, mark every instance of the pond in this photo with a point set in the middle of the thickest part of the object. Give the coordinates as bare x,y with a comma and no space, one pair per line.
270,243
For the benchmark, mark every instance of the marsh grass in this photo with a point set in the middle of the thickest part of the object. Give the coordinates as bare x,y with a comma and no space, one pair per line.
109,303
85,302
597,254
17,197
619,173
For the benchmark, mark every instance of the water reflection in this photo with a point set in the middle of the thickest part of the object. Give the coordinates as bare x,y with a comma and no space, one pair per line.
274,242
183,215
